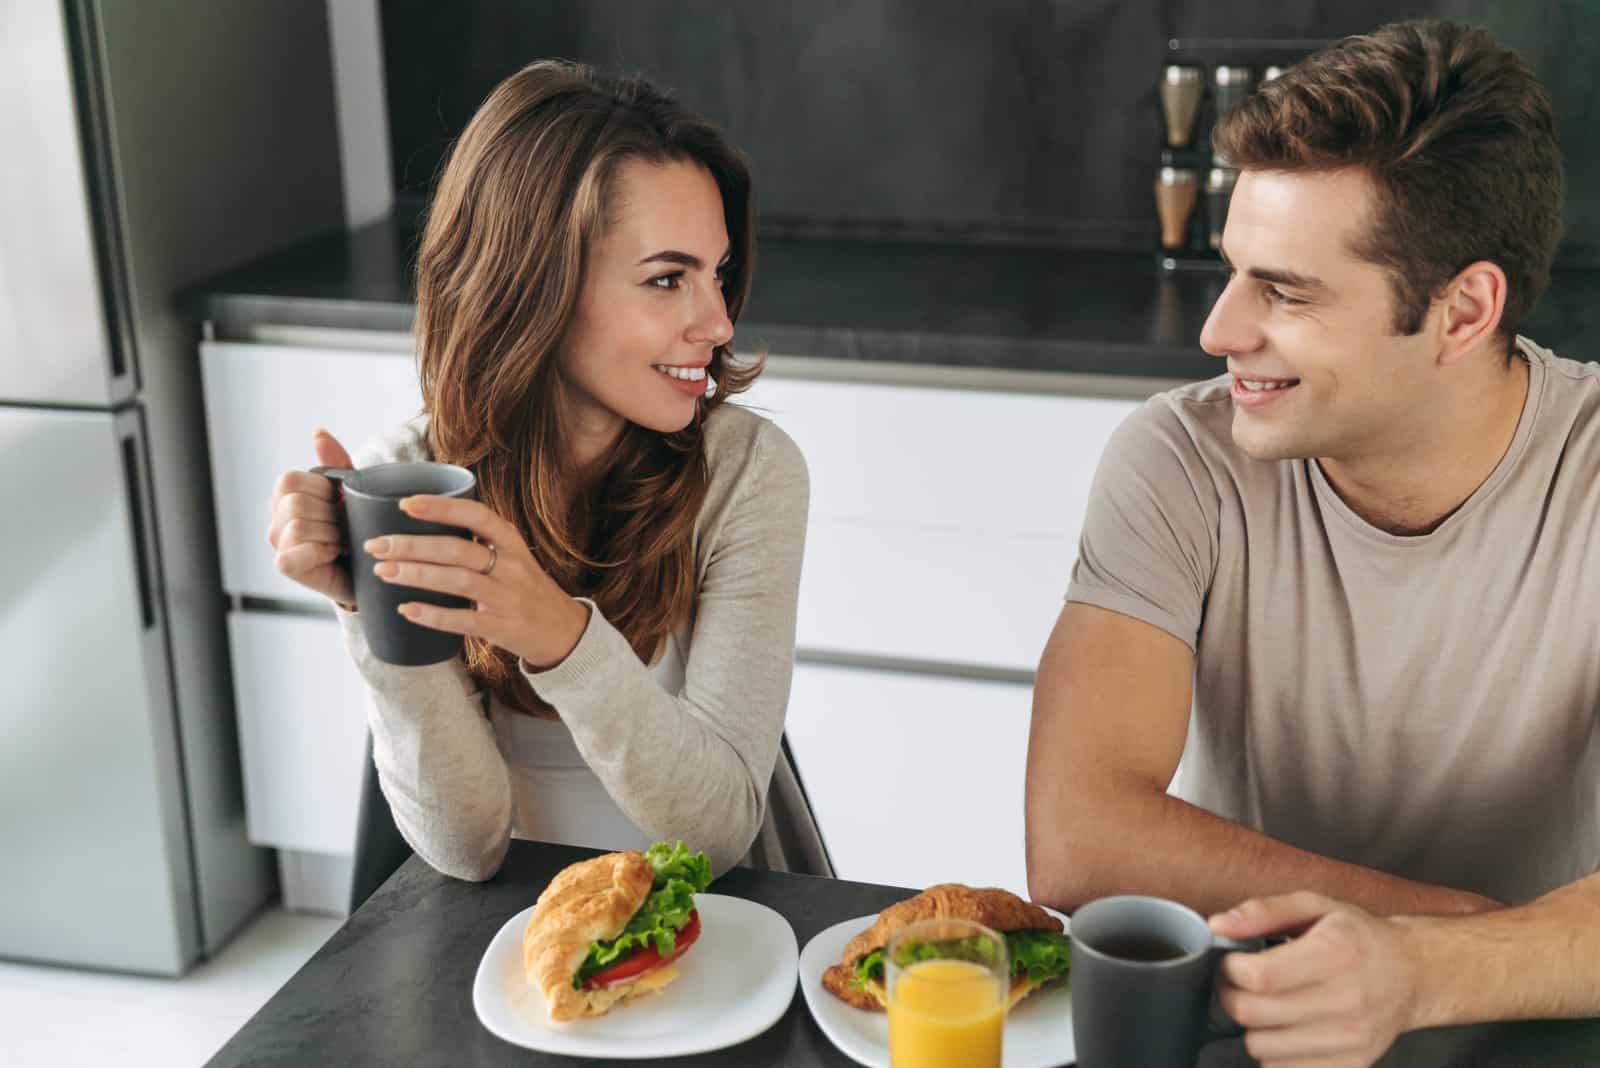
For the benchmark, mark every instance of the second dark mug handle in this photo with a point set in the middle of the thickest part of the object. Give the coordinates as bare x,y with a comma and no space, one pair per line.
1220,1024
337,475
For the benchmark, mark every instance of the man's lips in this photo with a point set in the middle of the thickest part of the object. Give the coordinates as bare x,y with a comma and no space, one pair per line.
1253,391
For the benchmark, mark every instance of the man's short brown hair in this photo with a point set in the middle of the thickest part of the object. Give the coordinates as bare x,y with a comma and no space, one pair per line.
1457,136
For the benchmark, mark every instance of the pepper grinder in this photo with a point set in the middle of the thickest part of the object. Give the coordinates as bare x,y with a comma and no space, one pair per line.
1231,85
1219,190
1181,87
1177,188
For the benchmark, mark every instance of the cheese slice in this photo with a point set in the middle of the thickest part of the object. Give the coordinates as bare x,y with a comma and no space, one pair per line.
602,1001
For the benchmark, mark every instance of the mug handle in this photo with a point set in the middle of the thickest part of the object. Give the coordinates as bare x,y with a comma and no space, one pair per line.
1220,1024
337,475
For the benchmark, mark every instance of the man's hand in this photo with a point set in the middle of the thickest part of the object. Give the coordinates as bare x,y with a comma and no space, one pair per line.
1335,996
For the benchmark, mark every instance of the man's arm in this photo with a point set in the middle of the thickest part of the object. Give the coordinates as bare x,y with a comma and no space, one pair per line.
1110,714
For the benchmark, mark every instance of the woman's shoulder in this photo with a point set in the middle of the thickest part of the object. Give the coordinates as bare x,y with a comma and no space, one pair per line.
405,443
742,445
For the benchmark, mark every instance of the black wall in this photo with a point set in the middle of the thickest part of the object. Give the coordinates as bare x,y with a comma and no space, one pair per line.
1005,120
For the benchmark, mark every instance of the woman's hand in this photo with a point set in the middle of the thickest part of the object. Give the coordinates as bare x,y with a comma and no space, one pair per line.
305,528
517,605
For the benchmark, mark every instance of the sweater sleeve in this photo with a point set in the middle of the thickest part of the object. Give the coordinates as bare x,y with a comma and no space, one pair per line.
695,765
438,762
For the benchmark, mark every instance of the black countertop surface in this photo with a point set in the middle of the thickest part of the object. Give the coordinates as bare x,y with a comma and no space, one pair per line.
393,986
1022,309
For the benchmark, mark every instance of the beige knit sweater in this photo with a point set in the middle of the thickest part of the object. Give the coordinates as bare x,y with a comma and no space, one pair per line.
703,764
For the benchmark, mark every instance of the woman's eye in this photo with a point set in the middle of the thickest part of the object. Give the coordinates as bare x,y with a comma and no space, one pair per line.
666,281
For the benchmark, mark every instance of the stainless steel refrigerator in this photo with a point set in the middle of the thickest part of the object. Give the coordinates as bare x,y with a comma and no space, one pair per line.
143,146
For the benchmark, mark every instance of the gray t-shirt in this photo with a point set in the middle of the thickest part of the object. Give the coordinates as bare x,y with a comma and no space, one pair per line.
1425,706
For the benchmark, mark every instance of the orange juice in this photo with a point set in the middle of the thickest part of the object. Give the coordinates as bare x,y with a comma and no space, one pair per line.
946,1014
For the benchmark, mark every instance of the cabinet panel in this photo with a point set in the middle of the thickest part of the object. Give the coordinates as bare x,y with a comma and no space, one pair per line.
302,731
262,404
914,780
944,523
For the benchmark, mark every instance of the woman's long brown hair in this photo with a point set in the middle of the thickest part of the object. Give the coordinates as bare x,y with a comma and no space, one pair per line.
501,264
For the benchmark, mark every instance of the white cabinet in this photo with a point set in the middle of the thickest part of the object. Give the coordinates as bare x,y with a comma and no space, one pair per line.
944,522
263,402
914,779
302,730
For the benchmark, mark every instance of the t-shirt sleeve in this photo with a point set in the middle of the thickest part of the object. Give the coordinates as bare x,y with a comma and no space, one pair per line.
1149,543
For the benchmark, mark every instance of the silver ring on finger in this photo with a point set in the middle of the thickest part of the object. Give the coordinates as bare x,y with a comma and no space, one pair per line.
494,558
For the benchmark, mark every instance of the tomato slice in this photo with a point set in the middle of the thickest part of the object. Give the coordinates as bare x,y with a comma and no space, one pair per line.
643,960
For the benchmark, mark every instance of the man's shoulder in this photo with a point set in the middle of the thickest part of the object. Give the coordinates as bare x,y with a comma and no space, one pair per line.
1193,422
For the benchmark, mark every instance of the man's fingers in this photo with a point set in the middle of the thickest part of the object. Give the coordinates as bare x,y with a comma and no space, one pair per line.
1291,966
1326,1043
1284,914
1307,1004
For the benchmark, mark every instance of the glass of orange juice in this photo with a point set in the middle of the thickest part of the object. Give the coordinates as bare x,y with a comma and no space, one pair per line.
947,982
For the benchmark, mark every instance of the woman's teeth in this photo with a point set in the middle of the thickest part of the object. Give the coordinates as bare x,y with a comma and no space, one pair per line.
1257,387
687,374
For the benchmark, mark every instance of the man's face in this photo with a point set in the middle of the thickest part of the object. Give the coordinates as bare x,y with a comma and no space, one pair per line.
1307,327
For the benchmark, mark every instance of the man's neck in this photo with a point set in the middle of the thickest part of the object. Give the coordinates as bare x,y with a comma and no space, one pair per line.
1414,493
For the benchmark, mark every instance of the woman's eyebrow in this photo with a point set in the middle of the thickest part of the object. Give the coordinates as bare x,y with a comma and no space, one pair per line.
684,259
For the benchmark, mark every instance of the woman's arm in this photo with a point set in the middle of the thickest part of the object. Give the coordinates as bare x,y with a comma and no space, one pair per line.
437,759
696,765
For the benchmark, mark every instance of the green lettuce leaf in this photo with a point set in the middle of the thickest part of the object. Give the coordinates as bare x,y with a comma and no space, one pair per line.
1043,955
679,875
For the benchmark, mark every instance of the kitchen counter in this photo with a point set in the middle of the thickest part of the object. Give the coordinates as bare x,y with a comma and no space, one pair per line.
394,984
940,306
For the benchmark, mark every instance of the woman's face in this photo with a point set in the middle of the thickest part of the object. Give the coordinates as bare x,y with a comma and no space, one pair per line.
651,308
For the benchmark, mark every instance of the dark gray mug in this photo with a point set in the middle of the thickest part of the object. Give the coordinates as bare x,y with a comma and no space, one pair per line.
1143,981
371,504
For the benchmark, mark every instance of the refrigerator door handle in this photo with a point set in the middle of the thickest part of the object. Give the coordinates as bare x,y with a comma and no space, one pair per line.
141,555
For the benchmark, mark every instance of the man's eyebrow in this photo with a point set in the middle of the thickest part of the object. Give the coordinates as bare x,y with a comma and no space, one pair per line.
683,259
1279,276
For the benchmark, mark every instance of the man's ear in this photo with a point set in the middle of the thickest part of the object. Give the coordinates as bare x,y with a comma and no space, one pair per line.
1471,307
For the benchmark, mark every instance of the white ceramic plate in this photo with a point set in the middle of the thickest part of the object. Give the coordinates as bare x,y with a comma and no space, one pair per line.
1038,1030
735,982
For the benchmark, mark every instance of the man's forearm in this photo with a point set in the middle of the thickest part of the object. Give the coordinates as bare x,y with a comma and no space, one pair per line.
1141,841
1536,961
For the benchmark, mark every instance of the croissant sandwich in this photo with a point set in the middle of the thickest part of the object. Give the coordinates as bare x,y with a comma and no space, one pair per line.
1038,949
607,930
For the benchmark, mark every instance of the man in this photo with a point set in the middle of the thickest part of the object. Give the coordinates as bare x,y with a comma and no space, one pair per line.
1351,581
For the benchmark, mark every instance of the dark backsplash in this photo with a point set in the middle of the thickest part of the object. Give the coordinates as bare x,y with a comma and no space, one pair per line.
1000,121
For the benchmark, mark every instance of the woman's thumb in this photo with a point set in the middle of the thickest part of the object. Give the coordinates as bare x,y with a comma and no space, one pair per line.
329,452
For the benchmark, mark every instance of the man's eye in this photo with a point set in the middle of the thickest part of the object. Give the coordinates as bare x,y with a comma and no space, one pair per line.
1278,296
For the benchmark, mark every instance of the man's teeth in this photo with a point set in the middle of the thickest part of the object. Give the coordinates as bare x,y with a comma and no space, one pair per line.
688,374
1256,387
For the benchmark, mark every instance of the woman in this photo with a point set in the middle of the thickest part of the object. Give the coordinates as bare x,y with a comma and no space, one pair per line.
628,659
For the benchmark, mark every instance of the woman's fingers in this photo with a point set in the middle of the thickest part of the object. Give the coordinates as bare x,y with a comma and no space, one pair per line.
437,577
303,563
461,512
441,549
452,620
300,530
299,505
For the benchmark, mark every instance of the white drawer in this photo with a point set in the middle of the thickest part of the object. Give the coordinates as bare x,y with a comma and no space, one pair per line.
262,404
914,780
944,522
302,711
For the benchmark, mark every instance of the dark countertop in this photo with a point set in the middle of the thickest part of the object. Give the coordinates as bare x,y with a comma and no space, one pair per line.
1022,309
394,984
